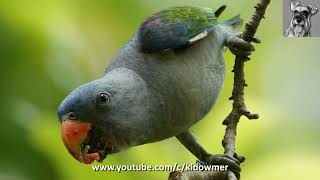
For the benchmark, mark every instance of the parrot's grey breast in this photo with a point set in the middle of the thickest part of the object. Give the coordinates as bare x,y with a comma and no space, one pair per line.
185,83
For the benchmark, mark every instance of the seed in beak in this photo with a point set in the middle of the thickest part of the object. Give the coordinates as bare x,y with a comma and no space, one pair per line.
86,149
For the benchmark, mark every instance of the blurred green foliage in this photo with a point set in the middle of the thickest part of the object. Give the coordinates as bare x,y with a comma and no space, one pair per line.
47,48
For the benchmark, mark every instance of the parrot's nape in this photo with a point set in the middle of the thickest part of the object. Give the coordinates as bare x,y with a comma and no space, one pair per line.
163,81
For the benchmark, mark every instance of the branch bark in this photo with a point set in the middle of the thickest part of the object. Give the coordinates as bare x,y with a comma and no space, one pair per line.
238,108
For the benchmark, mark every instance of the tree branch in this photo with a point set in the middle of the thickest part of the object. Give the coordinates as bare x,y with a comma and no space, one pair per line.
238,109
199,175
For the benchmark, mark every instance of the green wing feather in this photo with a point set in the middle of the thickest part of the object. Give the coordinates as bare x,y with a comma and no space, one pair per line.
193,17
176,27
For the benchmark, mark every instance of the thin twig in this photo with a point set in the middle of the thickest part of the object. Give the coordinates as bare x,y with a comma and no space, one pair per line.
239,107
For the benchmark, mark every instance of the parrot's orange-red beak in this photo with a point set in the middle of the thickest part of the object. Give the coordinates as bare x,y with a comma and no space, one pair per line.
74,134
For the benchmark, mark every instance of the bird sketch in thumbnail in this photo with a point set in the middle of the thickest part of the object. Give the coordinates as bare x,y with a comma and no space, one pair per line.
301,18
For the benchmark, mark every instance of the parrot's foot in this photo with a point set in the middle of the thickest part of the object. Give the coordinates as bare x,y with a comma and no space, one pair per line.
189,141
223,159
240,47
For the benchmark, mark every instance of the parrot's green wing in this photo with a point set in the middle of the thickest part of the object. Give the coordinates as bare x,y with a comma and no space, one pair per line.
176,27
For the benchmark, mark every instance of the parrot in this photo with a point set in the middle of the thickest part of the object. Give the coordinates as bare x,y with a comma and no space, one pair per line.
164,80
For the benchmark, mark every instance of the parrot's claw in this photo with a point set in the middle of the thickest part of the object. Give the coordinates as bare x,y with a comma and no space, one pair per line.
237,51
223,159
254,39
240,47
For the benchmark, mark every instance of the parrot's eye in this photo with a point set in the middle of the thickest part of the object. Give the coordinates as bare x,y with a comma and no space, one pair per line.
103,98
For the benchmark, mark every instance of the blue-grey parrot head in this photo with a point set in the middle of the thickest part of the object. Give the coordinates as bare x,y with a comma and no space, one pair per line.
96,115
